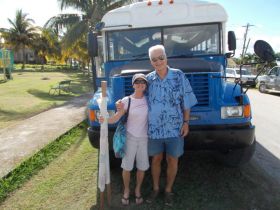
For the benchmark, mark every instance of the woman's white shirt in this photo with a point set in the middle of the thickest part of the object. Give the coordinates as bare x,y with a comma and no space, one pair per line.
137,122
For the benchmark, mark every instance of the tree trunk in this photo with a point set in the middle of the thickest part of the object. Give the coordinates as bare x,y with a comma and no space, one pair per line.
88,72
24,57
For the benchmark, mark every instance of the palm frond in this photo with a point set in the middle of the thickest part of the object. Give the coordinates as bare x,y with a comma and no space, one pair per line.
116,4
62,20
76,4
76,32
75,26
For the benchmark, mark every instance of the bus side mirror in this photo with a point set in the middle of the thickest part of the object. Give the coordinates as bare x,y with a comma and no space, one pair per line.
231,44
231,41
92,44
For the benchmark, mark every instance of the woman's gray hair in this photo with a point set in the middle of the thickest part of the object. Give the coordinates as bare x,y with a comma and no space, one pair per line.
156,47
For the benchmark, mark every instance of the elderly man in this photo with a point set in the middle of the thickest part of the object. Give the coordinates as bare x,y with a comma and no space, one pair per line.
170,98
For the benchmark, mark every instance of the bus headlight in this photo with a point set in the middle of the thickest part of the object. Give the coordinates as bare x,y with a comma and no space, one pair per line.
231,112
96,114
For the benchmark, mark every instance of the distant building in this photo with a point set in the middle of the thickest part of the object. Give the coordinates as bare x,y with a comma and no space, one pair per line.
31,56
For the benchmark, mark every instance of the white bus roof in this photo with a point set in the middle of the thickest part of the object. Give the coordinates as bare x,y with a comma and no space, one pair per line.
140,14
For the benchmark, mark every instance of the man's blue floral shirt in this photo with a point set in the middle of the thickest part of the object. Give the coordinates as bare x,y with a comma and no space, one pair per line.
167,100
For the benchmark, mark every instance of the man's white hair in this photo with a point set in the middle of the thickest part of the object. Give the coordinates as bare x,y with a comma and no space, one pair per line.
156,47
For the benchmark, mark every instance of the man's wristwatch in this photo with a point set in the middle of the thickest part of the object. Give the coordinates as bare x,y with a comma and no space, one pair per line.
186,121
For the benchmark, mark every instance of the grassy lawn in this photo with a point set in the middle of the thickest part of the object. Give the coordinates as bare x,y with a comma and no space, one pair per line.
70,182
38,67
69,179
27,94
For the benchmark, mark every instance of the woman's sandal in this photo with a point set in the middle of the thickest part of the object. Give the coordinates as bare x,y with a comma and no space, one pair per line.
125,201
138,200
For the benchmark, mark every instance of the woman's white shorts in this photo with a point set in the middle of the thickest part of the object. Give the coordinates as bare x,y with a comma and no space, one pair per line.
136,150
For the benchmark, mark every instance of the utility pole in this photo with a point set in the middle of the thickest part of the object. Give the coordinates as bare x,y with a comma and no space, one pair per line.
244,49
247,46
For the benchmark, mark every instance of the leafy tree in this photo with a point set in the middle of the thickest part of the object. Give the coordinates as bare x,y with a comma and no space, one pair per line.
21,34
47,46
76,26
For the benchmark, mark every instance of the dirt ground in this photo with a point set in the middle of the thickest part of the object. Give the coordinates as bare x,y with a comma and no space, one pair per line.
70,182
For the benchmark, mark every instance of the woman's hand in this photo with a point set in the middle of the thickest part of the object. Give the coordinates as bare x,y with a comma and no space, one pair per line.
101,119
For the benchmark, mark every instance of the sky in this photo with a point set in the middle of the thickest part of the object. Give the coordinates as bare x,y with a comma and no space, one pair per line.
262,14
38,10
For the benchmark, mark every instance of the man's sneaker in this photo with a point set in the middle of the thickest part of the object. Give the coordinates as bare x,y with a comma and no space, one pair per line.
168,198
152,197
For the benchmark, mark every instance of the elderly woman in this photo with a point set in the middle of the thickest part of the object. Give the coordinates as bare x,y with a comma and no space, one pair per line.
137,139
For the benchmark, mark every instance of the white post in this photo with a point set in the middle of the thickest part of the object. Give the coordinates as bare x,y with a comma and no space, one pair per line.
104,165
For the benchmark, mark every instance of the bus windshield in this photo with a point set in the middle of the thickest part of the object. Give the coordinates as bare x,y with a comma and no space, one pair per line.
179,41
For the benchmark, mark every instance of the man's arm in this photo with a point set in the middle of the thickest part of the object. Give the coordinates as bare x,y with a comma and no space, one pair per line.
185,127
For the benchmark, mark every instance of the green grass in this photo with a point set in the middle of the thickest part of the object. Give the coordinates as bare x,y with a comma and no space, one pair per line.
40,160
27,94
64,174
38,67
70,182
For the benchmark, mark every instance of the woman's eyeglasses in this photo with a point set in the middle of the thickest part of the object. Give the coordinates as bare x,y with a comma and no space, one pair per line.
140,81
161,57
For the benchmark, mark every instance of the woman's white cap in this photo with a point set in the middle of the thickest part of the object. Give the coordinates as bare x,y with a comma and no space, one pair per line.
139,76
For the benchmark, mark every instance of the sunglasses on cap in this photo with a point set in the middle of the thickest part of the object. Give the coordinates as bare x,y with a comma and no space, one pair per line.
140,81
161,57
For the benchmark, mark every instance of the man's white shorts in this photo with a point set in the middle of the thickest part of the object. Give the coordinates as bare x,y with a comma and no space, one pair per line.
136,150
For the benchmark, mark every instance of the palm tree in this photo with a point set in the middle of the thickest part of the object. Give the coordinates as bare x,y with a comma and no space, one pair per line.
21,34
47,46
77,25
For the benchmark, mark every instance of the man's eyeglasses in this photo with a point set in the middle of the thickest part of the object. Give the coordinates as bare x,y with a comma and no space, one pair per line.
140,81
161,57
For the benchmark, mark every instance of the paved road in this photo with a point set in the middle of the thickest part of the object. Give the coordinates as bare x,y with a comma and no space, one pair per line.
20,141
266,117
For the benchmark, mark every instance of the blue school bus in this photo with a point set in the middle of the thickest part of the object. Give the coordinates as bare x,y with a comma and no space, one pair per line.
194,36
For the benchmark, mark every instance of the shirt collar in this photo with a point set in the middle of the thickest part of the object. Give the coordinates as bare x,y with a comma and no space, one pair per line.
156,76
